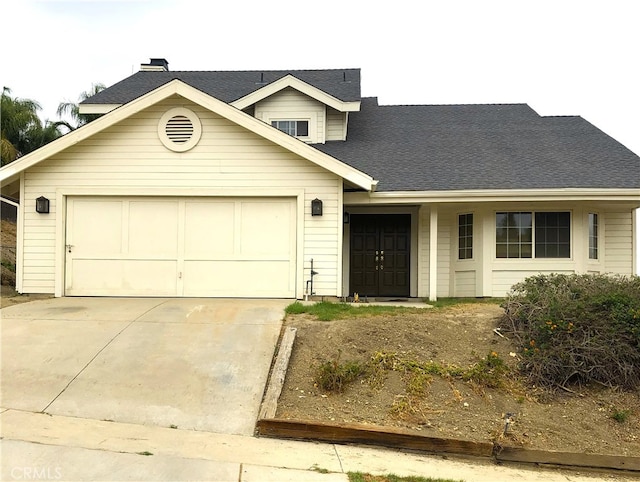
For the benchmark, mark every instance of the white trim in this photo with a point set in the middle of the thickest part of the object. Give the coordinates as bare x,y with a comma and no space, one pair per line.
170,143
9,201
97,108
62,195
635,268
491,195
295,83
340,237
20,239
177,87
433,253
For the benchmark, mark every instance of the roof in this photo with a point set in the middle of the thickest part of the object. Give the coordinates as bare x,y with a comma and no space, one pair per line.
495,146
229,86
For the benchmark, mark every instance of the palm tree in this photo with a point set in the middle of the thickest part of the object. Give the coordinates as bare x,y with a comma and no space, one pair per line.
21,129
73,109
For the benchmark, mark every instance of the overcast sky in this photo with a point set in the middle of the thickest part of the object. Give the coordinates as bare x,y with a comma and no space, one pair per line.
562,57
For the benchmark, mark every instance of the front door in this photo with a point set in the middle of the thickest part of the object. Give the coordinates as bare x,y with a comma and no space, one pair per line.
379,260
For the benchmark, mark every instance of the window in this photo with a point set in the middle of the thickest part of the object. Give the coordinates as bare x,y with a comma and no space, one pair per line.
593,236
517,233
465,236
292,127
513,235
553,235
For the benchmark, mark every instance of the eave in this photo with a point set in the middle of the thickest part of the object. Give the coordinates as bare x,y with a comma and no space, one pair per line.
97,108
293,82
630,196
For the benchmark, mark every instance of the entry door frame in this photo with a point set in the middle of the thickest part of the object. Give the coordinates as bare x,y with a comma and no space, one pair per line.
346,244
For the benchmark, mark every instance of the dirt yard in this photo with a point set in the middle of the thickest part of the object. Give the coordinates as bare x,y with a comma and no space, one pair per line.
582,421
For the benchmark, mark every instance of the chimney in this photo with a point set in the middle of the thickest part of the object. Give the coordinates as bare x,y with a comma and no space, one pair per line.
155,65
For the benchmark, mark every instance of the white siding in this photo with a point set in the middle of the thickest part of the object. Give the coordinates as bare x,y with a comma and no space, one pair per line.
465,284
618,249
289,104
228,159
336,121
503,280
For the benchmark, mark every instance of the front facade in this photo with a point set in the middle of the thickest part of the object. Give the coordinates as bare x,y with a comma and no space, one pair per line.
185,190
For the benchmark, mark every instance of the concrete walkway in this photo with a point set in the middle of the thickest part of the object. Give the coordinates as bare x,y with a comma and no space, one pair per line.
68,448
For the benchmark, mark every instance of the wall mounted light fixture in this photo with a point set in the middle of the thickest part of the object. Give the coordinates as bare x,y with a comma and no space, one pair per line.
42,205
316,207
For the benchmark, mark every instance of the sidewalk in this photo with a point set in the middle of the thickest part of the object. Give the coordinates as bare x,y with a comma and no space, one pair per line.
38,446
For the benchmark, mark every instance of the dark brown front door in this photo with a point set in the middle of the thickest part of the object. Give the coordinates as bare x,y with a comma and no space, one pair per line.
379,260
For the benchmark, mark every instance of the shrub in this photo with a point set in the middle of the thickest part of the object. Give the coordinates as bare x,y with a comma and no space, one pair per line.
333,376
489,371
576,329
620,416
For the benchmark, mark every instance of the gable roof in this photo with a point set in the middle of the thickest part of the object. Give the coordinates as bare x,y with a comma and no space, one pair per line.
230,86
471,147
10,171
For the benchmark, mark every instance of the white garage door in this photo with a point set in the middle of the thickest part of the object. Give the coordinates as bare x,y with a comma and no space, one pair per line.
236,247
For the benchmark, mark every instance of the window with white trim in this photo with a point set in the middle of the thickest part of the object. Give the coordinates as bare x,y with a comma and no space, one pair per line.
593,236
295,128
465,236
533,234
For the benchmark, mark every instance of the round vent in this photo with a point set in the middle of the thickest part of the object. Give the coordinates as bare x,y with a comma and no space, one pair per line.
179,129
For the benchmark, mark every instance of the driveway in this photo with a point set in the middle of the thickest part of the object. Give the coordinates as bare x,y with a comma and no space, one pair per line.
198,364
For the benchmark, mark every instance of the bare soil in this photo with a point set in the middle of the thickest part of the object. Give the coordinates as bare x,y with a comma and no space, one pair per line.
7,253
579,421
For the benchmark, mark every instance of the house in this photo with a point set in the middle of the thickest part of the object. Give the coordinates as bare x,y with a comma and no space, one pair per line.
286,183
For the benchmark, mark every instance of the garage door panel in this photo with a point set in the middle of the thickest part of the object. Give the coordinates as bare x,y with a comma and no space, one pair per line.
266,228
112,277
153,228
206,229
239,278
89,235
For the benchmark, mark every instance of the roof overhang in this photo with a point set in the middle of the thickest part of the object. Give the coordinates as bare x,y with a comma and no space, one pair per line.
293,82
631,196
96,108
10,172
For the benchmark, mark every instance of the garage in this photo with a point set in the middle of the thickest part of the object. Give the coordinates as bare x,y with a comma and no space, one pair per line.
165,246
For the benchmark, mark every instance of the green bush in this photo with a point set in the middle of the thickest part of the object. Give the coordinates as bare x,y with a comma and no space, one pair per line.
576,329
333,376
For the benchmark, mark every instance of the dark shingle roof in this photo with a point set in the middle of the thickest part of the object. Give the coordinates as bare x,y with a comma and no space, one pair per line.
228,86
449,147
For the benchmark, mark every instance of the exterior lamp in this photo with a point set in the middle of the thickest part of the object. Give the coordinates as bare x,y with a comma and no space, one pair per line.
316,207
42,205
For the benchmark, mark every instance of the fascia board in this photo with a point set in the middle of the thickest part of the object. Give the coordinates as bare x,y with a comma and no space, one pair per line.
291,81
97,108
12,170
528,195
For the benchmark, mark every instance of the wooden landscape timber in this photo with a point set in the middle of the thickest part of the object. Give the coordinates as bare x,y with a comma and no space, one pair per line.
345,433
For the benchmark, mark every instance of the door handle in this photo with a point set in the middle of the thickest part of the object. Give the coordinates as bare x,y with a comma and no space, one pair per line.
69,246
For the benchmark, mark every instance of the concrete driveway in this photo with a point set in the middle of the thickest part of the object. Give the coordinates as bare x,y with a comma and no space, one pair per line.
190,363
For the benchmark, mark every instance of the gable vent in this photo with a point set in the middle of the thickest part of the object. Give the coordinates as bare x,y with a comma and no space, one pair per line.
179,129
